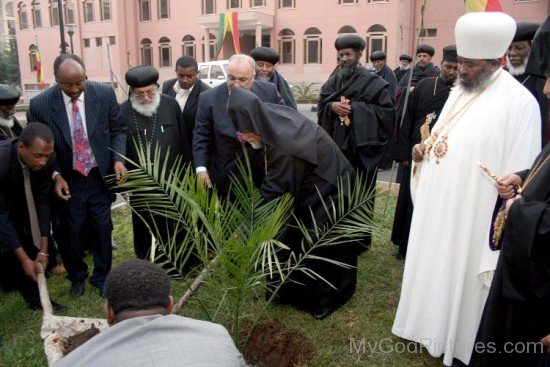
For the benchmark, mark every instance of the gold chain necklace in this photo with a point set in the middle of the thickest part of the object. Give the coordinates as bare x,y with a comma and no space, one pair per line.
441,146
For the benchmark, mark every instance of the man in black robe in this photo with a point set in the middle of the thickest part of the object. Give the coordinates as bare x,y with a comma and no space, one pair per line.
426,102
356,110
25,185
9,125
539,64
153,119
516,61
400,71
266,58
515,318
378,60
301,159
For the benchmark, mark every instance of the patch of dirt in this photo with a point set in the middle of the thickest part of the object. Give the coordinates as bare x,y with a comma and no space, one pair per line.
272,344
75,341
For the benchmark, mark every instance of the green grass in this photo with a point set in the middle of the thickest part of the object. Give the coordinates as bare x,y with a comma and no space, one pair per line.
367,316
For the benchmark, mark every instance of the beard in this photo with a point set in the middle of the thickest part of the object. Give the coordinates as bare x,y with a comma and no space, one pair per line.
347,68
476,83
516,70
6,122
146,109
264,78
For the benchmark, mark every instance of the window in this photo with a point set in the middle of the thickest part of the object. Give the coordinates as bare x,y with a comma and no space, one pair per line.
146,52
286,4
54,13
98,41
377,1
163,9
22,9
32,57
11,27
376,39
340,2
233,4
165,57
254,3
112,40
105,9
88,11
347,29
9,9
144,10
188,46
216,71
68,9
36,16
428,33
212,46
208,7
203,72
86,42
312,46
287,46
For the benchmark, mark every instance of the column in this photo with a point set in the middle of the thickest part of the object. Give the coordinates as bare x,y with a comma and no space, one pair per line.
258,35
207,55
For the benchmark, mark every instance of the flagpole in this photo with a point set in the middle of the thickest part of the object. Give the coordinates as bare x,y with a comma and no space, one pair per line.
407,94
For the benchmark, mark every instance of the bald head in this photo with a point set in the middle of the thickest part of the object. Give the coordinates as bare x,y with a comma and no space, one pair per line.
70,74
240,72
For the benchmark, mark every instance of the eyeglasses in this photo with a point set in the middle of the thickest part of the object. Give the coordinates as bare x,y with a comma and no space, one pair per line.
240,80
149,93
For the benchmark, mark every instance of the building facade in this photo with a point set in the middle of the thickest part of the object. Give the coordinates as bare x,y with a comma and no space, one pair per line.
112,35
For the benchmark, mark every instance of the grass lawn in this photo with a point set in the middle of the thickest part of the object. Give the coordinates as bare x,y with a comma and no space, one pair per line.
358,334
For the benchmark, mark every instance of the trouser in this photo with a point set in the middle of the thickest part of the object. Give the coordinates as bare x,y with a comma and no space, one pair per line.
90,205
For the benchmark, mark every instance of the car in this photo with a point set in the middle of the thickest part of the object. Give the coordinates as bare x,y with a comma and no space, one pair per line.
213,73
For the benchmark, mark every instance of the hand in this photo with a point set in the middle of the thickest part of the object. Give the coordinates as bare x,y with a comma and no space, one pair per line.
341,109
205,178
509,185
418,152
546,342
509,203
27,264
61,188
121,173
405,164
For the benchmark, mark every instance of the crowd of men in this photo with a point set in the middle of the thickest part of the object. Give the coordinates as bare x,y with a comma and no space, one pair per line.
465,134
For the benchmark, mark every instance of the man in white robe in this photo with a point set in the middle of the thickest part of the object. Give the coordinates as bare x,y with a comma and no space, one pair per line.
489,117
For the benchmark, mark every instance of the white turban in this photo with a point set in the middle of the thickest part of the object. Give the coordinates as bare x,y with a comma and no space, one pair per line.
484,35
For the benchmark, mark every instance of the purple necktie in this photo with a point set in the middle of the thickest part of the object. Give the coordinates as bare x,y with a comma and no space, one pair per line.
82,153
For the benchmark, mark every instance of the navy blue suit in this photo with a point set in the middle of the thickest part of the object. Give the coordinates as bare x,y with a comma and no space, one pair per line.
215,143
90,203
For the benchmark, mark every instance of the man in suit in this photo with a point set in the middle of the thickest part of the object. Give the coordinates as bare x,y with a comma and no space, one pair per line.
90,139
25,182
216,147
186,89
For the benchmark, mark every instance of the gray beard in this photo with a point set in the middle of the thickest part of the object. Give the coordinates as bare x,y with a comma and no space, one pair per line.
520,70
6,122
475,85
346,72
145,109
264,78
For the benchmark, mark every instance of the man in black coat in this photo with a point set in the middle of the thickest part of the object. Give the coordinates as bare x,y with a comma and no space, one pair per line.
90,140
185,88
25,182
356,110
9,125
404,61
216,148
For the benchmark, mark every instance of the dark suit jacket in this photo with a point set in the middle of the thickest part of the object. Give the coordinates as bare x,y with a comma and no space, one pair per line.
215,143
105,124
14,217
190,110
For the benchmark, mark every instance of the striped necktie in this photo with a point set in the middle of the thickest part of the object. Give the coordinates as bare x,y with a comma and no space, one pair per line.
82,152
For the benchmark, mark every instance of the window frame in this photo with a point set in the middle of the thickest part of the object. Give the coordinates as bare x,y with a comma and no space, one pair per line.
36,14
204,6
22,15
146,47
283,39
141,18
54,15
257,6
159,3
229,6
102,10
309,39
88,11
280,4
164,45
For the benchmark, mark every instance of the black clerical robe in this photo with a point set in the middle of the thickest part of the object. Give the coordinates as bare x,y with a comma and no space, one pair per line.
399,73
535,85
165,129
11,132
428,97
284,89
518,307
363,142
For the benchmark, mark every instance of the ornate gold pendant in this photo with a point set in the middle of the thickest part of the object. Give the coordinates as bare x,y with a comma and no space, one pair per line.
440,149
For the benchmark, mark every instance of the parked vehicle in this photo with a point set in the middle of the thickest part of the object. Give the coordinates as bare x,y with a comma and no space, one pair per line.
213,73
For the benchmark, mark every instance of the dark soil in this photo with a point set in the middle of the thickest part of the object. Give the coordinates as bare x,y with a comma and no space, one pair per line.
75,341
274,345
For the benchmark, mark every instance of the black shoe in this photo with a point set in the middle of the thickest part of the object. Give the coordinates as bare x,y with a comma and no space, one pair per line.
323,312
77,288
57,308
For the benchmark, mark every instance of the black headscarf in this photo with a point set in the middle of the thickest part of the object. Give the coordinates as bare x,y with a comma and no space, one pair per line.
539,59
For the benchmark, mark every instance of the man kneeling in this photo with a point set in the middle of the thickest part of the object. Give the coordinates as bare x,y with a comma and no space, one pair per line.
144,333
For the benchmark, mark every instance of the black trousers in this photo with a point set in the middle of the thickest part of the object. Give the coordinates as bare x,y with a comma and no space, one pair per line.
90,205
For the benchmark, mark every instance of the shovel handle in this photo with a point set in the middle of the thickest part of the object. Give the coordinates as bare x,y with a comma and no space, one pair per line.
43,289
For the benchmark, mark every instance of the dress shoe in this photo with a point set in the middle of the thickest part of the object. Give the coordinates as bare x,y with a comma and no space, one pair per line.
77,289
322,312
57,308
58,270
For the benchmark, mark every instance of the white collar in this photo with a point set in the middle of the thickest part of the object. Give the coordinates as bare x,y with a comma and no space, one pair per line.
179,90
68,99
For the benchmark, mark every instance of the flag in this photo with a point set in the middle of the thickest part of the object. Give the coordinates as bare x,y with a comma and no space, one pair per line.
228,20
38,68
482,5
